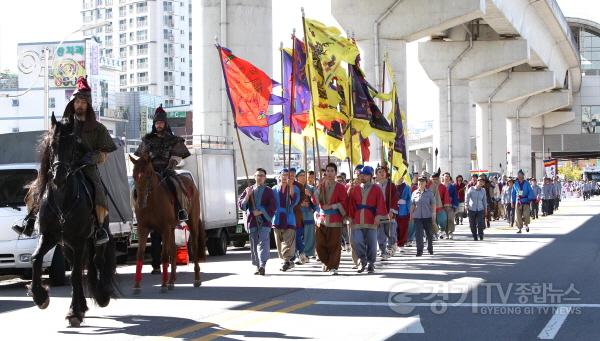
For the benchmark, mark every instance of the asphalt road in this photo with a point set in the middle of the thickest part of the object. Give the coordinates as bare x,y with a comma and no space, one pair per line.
537,285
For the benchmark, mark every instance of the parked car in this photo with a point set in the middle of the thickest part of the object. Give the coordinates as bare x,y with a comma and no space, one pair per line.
15,250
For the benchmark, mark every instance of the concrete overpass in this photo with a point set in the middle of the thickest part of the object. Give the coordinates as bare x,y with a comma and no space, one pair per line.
516,59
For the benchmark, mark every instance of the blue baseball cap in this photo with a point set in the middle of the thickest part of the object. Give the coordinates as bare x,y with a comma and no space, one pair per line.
367,170
284,170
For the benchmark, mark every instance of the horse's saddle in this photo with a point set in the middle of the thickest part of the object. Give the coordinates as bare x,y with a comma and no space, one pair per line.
184,193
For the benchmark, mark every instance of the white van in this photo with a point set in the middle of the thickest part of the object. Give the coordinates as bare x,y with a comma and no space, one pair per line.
15,250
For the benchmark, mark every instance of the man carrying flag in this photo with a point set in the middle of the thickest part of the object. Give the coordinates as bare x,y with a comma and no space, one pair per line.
331,198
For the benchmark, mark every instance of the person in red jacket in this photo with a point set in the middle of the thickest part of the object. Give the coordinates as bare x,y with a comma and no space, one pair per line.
331,197
386,232
366,209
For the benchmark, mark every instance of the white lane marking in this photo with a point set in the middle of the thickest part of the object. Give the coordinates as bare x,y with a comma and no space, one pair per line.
409,325
553,326
413,326
459,304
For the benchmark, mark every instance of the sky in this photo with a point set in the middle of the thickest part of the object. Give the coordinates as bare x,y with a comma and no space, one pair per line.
55,20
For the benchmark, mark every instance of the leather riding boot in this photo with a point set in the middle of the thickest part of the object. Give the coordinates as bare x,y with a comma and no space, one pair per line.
102,232
26,227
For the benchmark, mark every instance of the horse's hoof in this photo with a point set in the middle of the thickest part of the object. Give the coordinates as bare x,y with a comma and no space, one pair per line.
171,286
74,321
163,289
137,291
45,304
197,283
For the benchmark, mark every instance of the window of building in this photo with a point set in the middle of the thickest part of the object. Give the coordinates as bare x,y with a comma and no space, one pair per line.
142,7
142,35
169,63
122,52
15,129
168,21
589,49
590,119
51,102
168,76
142,49
15,102
167,6
142,88
183,88
109,13
122,11
142,63
123,38
122,25
183,74
142,21
142,77
123,80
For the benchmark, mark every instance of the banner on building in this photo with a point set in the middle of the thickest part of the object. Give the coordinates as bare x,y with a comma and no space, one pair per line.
551,168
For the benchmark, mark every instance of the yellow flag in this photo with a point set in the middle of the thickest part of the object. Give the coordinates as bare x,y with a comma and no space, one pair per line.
326,49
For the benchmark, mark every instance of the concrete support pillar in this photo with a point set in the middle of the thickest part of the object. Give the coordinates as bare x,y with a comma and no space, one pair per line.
212,112
427,159
519,145
451,130
539,166
491,135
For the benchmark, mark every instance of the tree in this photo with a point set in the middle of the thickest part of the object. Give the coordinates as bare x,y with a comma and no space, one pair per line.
571,171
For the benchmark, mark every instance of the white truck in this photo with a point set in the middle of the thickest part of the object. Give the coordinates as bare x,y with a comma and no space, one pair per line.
212,165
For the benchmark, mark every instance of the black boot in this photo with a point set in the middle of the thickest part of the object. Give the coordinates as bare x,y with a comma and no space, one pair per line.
26,227
102,233
182,215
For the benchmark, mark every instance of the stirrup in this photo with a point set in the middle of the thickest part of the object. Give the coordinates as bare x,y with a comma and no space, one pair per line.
101,237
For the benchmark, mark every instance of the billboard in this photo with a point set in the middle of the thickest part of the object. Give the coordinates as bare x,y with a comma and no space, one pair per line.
67,62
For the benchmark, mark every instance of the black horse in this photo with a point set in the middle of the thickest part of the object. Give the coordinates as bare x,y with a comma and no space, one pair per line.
66,217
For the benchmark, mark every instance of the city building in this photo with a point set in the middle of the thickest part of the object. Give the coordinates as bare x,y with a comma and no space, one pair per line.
153,41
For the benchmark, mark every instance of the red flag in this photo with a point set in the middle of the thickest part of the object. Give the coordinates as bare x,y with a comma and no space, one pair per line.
249,90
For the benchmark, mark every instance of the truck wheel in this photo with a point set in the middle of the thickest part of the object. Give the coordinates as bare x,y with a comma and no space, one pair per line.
239,243
218,246
58,268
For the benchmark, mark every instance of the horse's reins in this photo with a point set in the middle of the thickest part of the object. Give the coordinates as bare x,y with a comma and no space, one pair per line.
60,213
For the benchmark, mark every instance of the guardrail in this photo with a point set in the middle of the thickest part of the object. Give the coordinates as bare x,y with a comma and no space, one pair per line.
562,21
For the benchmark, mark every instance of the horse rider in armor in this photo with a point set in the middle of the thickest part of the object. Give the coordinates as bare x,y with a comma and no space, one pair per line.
97,142
165,150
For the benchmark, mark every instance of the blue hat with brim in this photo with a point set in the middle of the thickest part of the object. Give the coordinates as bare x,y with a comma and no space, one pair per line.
367,170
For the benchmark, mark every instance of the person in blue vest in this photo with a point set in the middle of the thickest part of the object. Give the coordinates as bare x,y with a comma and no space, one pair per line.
287,197
522,195
259,203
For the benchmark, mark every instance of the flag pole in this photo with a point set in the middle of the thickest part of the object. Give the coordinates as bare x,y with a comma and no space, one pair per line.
312,102
382,105
292,95
305,156
283,87
351,116
314,157
237,132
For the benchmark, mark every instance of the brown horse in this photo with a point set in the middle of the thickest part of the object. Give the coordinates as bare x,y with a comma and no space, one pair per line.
154,209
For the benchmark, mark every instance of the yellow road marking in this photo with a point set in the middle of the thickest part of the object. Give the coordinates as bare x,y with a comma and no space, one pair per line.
269,316
234,315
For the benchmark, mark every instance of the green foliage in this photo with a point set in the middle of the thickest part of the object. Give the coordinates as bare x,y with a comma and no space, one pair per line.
570,171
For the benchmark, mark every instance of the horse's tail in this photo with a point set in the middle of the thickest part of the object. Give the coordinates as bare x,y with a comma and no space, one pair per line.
201,237
101,276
